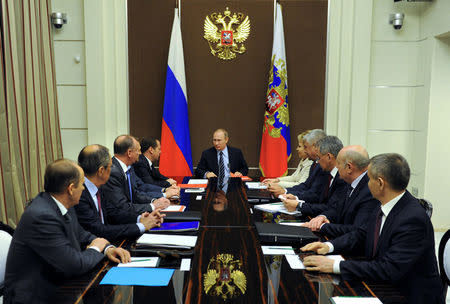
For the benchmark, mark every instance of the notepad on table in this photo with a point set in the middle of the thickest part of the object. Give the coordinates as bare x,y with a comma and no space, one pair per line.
141,262
167,240
277,250
294,261
137,276
177,226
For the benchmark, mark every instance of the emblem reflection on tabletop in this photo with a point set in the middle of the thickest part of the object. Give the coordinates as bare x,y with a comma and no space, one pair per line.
224,278
226,33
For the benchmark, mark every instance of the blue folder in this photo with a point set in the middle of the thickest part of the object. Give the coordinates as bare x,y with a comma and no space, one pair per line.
137,276
177,226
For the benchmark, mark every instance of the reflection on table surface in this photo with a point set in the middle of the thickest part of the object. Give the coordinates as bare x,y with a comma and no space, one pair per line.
227,264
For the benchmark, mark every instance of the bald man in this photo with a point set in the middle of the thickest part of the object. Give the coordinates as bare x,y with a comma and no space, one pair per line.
49,245
352,211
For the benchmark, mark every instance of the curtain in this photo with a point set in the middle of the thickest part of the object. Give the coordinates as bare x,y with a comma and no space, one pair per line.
29,124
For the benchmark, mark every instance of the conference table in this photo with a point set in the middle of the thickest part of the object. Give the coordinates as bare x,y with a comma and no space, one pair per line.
227,264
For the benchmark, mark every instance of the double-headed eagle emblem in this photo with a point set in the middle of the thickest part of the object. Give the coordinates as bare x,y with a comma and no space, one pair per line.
223,278
226,42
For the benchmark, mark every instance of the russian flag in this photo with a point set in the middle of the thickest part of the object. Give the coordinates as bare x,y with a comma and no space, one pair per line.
176,155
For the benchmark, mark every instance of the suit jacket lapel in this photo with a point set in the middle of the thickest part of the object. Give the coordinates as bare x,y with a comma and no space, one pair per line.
215,162
390,220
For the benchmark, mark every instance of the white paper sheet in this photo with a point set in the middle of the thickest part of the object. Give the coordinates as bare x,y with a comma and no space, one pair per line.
256,185
275,207
167,239
194,190
298,224
294,261
355,300
175,208
277,250
198,181
141,262
185,265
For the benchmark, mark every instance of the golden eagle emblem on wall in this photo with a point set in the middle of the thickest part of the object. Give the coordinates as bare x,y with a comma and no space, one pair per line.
226,33
224,278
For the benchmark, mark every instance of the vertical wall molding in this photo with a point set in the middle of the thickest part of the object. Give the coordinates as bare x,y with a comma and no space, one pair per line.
348,70
106,70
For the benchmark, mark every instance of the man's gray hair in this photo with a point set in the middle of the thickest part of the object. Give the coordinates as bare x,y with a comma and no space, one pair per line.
330,144
314,136
393,168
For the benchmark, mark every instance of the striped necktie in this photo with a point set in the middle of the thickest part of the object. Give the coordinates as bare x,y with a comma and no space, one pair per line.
221,169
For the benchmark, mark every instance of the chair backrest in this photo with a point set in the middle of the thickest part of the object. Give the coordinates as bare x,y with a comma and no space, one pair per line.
444,259
5,241
427,205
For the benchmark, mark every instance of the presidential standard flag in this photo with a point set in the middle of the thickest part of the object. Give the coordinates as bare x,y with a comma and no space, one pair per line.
276,143
176,155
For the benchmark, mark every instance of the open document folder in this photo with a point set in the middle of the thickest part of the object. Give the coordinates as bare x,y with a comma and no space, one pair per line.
167,240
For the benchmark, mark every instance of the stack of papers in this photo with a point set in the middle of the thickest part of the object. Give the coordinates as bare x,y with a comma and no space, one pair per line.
177,226
141,262
256,185
355,300
167,240
275,207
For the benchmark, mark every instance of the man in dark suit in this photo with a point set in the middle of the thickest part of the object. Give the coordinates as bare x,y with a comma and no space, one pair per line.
311,190
352,211
124,188
398,239
334,187
49,244
230,159
144,167
95,213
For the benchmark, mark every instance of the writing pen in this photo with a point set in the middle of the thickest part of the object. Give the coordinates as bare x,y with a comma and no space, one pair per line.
140,260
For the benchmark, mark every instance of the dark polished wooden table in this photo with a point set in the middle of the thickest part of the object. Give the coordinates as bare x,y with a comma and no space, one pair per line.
227,265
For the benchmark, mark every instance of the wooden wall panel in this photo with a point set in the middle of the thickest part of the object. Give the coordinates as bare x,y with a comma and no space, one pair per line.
227,94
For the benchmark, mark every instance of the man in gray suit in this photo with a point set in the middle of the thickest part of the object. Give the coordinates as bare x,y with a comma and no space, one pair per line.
49,244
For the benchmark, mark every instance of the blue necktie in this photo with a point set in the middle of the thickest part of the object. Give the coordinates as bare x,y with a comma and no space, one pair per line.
221,169
129,184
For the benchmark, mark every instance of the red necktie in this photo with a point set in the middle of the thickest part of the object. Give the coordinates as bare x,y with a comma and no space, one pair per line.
99,205
377,231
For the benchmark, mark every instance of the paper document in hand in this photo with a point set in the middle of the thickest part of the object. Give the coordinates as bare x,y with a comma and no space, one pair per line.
196,181
355,300
141,262
277,250
275,207
256,185
174,208
167,240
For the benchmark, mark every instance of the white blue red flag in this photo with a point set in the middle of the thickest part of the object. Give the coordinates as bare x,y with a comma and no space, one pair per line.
176,155
276,142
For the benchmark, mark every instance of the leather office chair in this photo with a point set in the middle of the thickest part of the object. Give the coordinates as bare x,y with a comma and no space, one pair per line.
427,205
444,260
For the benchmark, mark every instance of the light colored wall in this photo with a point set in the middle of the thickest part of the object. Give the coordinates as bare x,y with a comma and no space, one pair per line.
71,77
386,89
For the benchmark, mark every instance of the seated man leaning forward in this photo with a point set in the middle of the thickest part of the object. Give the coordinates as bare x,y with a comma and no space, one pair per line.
49,245
230,159
398,239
